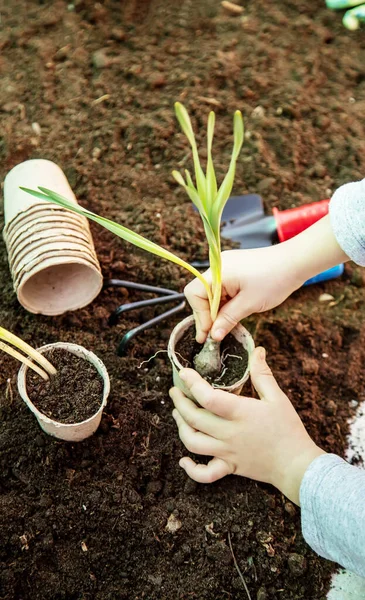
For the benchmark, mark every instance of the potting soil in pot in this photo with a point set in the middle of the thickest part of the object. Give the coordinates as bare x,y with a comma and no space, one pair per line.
234,357
73,394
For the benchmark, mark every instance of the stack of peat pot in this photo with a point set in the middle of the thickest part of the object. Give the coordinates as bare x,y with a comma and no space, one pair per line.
51,253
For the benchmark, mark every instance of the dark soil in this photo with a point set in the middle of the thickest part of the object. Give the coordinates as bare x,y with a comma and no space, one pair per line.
234,358
88,521
72,395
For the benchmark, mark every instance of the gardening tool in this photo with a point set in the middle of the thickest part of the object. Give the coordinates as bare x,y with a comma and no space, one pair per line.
244,221
166,296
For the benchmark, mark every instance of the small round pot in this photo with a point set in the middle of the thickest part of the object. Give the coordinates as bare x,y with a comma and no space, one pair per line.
239,332
70,432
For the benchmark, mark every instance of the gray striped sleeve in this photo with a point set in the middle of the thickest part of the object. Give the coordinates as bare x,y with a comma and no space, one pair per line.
332,498
347,214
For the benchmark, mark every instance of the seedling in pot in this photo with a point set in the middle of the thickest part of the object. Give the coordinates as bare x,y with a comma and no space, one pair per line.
209,200
9,338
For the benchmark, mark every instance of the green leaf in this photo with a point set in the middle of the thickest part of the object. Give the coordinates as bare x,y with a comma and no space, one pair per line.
225,189
210,176
186,126
194,197
179,178
23,359
238,132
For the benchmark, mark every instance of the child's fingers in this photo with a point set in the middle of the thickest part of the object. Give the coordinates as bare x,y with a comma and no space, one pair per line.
197,418
195,441
217,402
230,314
214,470
203,323
261,376
197,297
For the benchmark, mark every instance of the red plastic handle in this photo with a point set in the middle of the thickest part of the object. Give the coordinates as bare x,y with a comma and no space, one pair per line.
294,220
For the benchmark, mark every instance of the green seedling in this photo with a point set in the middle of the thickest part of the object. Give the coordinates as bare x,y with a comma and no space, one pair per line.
9,338
208,198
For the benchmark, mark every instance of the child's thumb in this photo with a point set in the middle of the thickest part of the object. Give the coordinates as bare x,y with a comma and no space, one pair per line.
229,315
262,378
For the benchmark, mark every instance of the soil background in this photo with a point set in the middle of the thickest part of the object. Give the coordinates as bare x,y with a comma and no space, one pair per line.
88,521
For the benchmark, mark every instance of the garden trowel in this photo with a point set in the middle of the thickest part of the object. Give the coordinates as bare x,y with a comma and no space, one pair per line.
244,221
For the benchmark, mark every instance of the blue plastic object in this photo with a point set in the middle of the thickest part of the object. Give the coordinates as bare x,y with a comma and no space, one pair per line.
342,4
326,275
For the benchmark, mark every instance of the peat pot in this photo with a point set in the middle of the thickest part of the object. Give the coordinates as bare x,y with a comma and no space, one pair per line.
241,335
71,432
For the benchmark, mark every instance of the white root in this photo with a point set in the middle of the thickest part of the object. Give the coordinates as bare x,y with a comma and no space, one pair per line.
151,358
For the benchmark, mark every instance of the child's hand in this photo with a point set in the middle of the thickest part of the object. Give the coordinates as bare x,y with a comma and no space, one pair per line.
261,439
253,281
256,280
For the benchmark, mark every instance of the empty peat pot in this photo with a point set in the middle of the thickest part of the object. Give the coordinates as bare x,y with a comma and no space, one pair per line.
242,337
51,252
70,432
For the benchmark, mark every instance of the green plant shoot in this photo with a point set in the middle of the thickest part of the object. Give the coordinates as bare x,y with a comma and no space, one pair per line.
10,338
207,197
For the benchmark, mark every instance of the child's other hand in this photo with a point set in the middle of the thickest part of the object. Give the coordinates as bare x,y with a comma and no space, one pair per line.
261,439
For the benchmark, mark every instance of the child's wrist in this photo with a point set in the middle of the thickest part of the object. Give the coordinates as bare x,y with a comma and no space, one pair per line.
290,477
313,251
293,266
